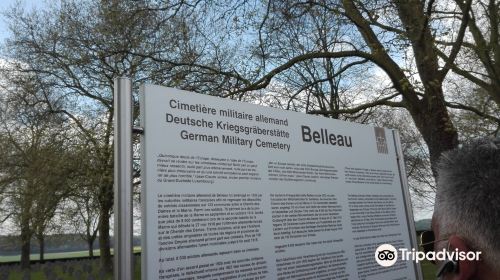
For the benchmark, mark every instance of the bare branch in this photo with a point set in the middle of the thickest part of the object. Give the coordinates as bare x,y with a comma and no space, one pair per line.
266,79
476,111
384,101
458,42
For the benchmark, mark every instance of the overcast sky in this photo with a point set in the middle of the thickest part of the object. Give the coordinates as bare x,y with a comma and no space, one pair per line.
5,5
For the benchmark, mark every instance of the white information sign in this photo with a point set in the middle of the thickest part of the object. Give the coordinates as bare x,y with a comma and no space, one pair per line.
238,191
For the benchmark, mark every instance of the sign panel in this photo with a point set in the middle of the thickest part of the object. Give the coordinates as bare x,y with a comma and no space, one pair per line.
238,191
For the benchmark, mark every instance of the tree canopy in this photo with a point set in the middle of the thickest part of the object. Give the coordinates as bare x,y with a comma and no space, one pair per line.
433,62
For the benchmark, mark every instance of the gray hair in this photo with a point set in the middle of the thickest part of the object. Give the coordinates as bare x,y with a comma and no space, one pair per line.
468,196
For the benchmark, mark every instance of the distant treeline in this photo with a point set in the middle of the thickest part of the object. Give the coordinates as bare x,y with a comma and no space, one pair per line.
10,245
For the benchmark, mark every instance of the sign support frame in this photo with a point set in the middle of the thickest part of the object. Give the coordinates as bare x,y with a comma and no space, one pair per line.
395,166
123,236
407,200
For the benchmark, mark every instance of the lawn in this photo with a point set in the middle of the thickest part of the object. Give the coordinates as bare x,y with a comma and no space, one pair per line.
52,256
63,270
429,270
49,256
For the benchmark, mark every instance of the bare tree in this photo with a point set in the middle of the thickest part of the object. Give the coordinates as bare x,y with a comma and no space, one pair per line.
82,213
75,49
381,33
35,166
478,59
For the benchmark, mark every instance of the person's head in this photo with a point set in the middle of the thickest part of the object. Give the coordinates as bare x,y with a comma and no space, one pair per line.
467,209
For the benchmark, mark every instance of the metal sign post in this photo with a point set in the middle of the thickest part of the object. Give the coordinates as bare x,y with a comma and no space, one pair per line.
406,195
123,254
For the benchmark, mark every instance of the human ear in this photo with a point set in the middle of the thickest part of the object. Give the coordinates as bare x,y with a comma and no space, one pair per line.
466,268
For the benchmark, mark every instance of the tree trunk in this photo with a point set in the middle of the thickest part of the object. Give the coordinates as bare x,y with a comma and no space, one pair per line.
104,238
90,243
434,123
25,242
41,243
429,113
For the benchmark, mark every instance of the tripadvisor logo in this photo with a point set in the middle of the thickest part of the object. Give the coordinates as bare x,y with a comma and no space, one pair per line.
386,255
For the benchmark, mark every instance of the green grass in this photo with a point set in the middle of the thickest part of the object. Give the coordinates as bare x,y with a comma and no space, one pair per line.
52,256
34,276
428,270
82,269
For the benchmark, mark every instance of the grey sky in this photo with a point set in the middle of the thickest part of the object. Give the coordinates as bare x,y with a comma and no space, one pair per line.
6,5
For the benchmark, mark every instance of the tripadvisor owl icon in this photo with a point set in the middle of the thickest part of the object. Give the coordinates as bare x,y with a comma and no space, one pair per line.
386,255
